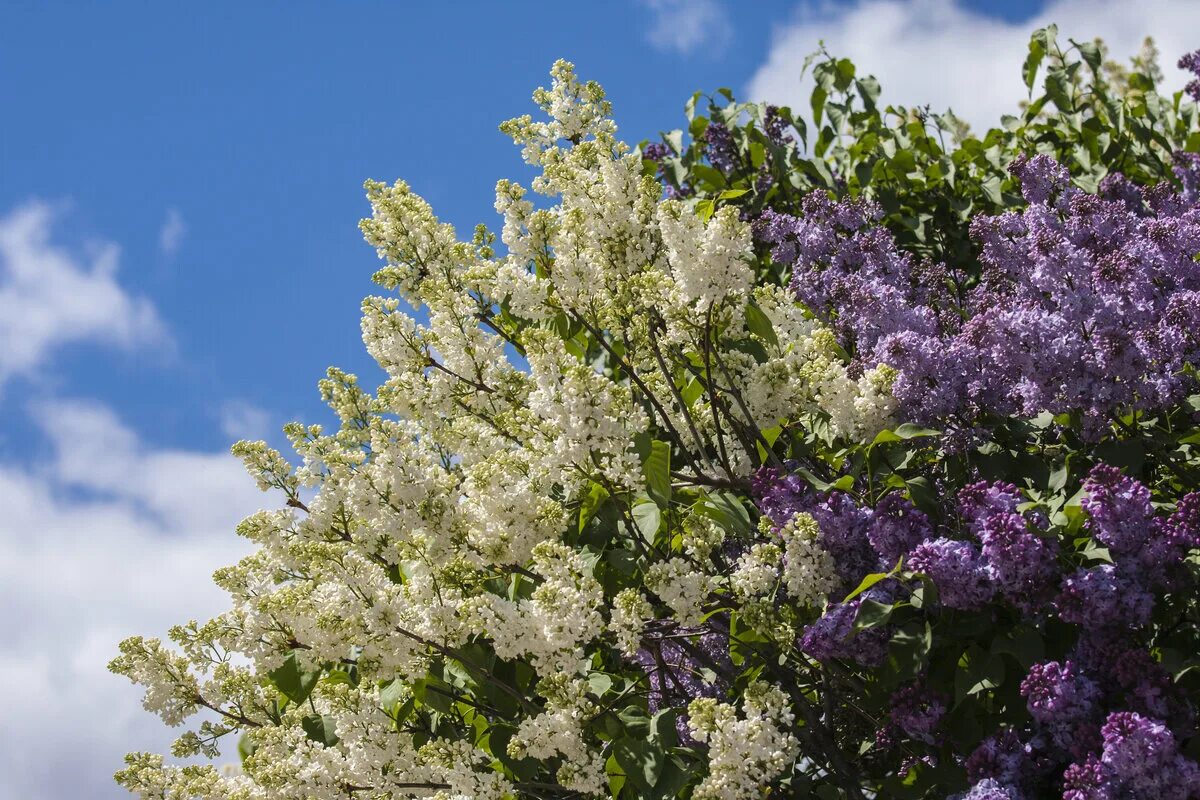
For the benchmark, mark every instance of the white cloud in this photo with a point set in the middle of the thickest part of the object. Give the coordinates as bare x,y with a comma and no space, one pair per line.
50,297
170,236
940,53
242,420
685,26
106,539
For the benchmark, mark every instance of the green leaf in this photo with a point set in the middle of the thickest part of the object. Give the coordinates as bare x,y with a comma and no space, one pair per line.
1023,644
320,729
393,694
246,746
647,517
1089,52
868,582
730,194
759,324
726,510
991,190
656,466
872,614
903,433
641,762
978,671
592,501
1058,88
868,90
293,681
1039,44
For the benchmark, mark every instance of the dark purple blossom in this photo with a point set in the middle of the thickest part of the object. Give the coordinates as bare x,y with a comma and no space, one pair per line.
1085,303
720,148
656,151
897,526
989,789
832,636
957,570
1020,563
918,712
1141,760
1059,693
1191,63
1102,595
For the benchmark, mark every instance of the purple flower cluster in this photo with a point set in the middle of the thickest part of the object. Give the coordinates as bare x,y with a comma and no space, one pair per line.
1139,760
676,668
1088,712
1085,302
656,151
1191,63
719,147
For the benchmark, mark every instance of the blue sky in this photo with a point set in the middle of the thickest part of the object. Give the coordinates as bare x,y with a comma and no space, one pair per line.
180,187
255,125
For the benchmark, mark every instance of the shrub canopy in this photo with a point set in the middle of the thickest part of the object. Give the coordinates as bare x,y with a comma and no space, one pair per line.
846,458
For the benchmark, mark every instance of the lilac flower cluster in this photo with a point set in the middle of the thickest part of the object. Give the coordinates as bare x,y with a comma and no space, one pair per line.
1191,63
719,147
1139,759
1084,302
1088,712
678,669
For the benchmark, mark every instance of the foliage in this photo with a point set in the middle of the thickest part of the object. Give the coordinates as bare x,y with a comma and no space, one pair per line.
644,509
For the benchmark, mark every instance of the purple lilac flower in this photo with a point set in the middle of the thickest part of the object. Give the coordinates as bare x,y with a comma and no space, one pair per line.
989,789
1020,563
676,674
1119,510
957,570
1141,759
1087,780
775,126
1066,703
1121,517
721,151
917,712
1102,595
897,526
1191,63
1057,693
1003,757
979,501
1117,266
844,526
832,636
655,151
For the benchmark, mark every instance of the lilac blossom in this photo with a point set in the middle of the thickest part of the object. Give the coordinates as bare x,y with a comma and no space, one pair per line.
957,570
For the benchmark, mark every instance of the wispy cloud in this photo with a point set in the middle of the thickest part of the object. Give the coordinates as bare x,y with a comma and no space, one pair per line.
242,420
51,297
170,236
106,539
942,53
685,26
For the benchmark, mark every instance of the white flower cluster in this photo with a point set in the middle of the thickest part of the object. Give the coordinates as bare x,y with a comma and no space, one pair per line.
559,732
744,755
549,627
808,569
434,535
682,587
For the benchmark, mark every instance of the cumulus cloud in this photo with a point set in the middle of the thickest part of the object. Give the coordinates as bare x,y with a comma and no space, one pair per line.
106,538
940,53
170,236
684,26
50,297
